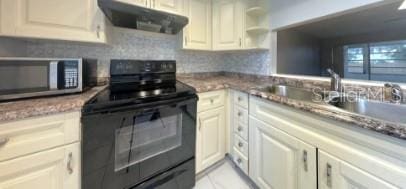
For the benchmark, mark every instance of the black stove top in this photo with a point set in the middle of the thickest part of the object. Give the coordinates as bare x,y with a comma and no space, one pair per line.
143,95
135,82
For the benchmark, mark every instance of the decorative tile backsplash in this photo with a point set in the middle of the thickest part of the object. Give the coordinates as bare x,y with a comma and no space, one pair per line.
132,44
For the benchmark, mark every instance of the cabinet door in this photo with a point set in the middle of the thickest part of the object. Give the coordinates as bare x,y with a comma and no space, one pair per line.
227,24
197,34
337,174
171,6
210,138
53,169
280,161
76,20
142,3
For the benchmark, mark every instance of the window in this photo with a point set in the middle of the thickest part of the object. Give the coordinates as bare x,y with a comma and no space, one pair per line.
384,61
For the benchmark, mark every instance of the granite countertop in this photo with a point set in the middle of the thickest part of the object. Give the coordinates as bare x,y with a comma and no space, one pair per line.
21,109
206,83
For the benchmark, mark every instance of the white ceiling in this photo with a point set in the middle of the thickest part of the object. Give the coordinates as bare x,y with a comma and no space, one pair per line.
377,19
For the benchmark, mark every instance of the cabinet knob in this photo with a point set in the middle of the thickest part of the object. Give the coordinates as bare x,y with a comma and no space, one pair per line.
69,164
239,128
211,101
239,160
240,144
239,114
3,141
239,99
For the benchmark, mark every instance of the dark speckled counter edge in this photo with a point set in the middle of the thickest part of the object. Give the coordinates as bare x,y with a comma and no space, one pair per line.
249,84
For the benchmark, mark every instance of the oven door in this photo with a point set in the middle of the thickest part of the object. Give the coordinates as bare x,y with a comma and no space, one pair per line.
126,148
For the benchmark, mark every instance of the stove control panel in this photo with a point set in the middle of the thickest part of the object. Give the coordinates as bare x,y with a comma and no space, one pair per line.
128,67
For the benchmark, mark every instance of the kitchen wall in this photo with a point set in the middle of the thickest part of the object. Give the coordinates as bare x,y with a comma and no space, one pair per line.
298,53
132,44
12,47
249,62
290,13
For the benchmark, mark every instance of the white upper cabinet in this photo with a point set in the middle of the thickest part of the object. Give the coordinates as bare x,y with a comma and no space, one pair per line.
142,3
227,24
171,6
280,161
75,20
198,33
337,174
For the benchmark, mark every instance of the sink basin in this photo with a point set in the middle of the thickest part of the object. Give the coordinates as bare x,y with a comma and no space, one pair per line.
380,110
293,93
374,109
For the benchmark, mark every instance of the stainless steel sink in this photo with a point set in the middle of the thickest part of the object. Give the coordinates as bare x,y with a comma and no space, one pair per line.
374,109
380,110
293,93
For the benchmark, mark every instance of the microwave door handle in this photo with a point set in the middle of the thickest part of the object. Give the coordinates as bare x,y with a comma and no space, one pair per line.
53,75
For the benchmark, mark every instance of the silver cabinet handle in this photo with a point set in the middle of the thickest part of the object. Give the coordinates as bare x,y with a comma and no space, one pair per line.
240,42
3,141
200,124
69,164
239,128
329,175
185,40
146,3
211,101
305,164
98,31
153,3
239,99
239,114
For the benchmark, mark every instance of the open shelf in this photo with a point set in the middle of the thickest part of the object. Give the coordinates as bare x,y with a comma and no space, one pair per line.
256,11
257,30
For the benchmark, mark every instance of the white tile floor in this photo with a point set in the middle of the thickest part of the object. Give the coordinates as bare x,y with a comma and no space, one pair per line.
222,177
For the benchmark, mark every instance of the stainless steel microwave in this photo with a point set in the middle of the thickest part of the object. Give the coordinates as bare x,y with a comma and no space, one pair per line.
33,77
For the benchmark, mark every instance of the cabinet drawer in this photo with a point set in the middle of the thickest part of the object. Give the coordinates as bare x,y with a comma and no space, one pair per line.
58,168
241,99
241,145
33,135
241,129
240,115
240,160
210,100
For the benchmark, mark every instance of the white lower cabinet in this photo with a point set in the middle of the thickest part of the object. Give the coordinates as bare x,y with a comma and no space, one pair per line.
41,152
58,168
211,136
289,149
338,174
280,161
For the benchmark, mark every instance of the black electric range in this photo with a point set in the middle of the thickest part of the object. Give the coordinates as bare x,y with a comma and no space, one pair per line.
140,132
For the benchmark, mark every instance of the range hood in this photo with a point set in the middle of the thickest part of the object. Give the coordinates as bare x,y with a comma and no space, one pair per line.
128,15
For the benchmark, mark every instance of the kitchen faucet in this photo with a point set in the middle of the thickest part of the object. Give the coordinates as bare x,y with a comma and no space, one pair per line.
395,93
335,81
